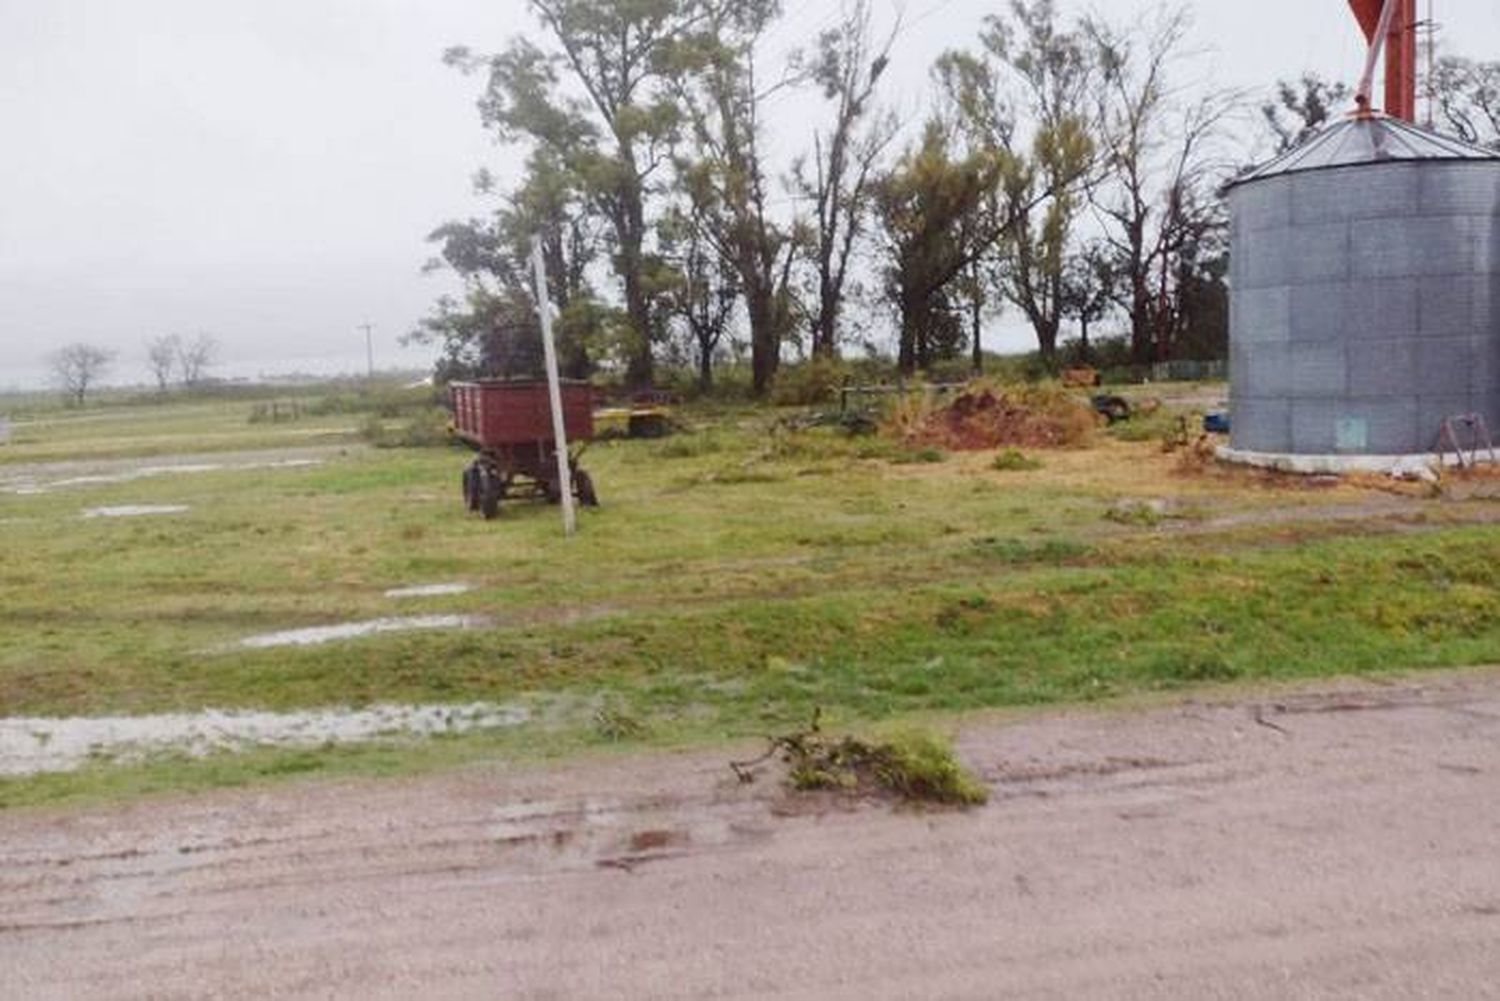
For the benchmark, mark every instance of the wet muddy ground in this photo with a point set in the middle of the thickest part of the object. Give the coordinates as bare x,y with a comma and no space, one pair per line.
36,744
45,477
1342,842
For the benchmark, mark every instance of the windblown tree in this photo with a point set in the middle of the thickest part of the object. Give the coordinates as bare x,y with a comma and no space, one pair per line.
495,330
1026,94
79,367
1302,107
836,180
935,226
1166,158
594,101
716,82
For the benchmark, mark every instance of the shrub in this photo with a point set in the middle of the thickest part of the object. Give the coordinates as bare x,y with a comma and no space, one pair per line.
914,766
1013,460
809,383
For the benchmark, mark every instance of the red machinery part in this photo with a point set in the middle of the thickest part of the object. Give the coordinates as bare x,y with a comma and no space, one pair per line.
1400,52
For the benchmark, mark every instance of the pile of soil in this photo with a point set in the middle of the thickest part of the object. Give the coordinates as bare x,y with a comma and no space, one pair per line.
984,417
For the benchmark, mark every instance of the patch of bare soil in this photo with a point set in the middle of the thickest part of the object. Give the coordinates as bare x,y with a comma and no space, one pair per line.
1339,842
985,417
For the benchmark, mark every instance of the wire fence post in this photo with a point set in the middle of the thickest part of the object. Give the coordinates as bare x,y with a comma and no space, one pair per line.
554,389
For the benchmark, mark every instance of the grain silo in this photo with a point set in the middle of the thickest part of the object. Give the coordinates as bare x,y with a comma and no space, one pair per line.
1365,293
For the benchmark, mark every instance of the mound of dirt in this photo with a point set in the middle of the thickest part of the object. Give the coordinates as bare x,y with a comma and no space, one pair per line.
984,416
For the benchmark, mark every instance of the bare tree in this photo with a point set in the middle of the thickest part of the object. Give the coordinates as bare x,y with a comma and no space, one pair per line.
847,66
1166,156
77,367
194,358
161,358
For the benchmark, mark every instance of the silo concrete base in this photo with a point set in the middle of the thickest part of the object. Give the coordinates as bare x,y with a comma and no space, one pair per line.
1420,466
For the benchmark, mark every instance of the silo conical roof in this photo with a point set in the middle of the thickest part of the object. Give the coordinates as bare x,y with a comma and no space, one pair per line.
1367,139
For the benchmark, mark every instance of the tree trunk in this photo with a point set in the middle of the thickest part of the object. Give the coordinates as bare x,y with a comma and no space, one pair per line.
632,229
907,360
765,349
1046,337
976,322
705,364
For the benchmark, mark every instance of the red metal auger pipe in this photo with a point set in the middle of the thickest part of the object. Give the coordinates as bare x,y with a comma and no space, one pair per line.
1400,44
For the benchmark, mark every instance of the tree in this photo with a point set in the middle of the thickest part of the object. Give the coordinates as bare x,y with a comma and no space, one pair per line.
704,292
1301,108
1026,95
1166,162
1468,98
492,257
930,206
194,358
613,131
847,65
1088,292
715,82
77,367
161,358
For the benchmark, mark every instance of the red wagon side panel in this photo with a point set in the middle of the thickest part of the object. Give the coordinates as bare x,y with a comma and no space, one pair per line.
494,413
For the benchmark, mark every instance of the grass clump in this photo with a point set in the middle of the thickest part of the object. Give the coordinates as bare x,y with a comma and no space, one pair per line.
424,429
1013,460
918,457
914,766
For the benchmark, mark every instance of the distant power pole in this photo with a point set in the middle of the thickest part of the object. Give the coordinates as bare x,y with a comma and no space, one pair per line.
369,349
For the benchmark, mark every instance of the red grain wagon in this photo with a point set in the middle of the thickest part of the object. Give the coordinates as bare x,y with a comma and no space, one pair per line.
509,425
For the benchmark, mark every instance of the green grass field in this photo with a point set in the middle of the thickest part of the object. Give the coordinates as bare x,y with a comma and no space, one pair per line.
737,576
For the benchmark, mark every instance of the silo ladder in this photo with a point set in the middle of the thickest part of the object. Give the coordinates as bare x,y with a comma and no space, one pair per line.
1479,439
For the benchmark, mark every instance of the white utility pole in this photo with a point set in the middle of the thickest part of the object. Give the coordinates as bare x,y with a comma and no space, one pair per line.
554,388
368,328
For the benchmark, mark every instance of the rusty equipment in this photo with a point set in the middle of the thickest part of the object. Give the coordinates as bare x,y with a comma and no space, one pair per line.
1390,25
509,426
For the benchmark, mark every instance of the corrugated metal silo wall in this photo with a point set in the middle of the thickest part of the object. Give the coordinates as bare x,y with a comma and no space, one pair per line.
1365,307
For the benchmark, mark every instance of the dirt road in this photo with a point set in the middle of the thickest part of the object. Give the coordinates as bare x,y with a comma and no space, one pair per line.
1339,844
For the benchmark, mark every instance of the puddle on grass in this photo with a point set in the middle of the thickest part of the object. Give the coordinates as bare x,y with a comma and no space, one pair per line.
314,635
428,590
33,486
133,510
31,745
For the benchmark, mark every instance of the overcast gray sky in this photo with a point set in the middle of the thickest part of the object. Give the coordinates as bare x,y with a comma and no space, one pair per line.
268,171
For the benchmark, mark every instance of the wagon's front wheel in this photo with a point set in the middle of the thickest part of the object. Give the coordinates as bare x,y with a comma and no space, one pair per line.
490,489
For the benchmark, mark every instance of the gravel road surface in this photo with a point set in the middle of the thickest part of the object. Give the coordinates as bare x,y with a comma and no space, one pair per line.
1336,843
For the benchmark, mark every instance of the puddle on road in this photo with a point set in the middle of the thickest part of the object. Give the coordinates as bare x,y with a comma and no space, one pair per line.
31,745
428,590
32,486
612,833
314,635
133,510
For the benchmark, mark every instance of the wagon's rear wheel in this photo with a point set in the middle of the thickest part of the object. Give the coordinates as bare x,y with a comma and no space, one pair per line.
585,484
491,489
